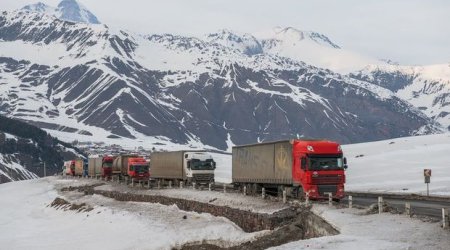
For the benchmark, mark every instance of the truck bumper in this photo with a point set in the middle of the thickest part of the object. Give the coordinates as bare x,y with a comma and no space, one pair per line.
203,178
321,191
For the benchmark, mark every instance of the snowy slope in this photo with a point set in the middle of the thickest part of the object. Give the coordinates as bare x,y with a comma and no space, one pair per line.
12,170
110,225
313,48
397,165
25,210
425,87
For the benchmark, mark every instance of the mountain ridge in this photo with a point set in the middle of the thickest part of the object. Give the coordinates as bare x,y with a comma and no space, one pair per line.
68,10
187,91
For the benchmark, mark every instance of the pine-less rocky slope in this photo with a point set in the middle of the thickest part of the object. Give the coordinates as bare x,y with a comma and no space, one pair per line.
90,82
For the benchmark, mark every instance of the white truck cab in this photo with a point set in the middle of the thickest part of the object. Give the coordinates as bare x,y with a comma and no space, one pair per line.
199,167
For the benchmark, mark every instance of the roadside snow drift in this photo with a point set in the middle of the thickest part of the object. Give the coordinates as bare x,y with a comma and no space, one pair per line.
28,222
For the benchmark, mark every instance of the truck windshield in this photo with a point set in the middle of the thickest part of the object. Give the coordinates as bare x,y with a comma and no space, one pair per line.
107,165
209,164
140,168
325,163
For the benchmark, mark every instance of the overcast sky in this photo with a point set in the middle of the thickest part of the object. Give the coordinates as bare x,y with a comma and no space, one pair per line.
406,31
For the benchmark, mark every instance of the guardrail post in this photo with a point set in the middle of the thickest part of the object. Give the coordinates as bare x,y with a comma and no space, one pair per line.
181,184
224,188
408,209
170,184
445,218
159,184
350,201
263,193
284,195
148,183
245,189
193,185
132,182
307,198
210,186
330,199
380,204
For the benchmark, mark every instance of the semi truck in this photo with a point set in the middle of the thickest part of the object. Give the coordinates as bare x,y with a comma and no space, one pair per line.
100,166
301,167
132,166
74,167
79,167
69,167
186,166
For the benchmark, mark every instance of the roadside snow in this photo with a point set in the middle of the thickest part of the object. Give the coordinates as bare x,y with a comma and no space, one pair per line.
28,223
385,231
397,165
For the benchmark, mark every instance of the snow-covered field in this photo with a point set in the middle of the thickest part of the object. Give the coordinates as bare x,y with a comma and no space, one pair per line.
27,222
397,165
394,165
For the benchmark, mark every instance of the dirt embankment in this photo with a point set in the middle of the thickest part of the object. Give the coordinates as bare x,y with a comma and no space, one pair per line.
291,224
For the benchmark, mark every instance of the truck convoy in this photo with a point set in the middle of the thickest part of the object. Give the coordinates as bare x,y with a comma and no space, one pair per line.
186,166
131,166
100,166
302,167
313,167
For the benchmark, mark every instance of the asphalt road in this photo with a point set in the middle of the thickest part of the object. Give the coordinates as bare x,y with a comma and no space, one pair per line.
431,208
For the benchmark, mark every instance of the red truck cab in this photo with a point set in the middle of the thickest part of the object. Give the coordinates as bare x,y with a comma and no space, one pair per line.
107,163
319,168
69,167
138,168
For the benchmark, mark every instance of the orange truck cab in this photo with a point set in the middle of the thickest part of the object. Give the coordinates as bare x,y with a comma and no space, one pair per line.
138,168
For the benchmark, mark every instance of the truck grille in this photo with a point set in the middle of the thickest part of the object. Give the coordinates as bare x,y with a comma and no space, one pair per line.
327,179
203,177
327,189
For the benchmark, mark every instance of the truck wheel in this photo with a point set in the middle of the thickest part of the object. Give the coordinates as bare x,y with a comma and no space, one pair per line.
298,193
255,189
280,190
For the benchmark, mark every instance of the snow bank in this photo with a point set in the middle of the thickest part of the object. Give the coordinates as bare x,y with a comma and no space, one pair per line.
385,231
27,222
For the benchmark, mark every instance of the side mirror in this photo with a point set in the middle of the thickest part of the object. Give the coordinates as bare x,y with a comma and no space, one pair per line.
345,161
345,166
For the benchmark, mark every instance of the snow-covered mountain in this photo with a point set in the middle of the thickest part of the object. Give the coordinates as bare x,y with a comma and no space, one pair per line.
425,87
24,149
90,82
69,10
313,48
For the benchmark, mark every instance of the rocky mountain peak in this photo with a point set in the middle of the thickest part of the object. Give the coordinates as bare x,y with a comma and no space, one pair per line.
69,10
